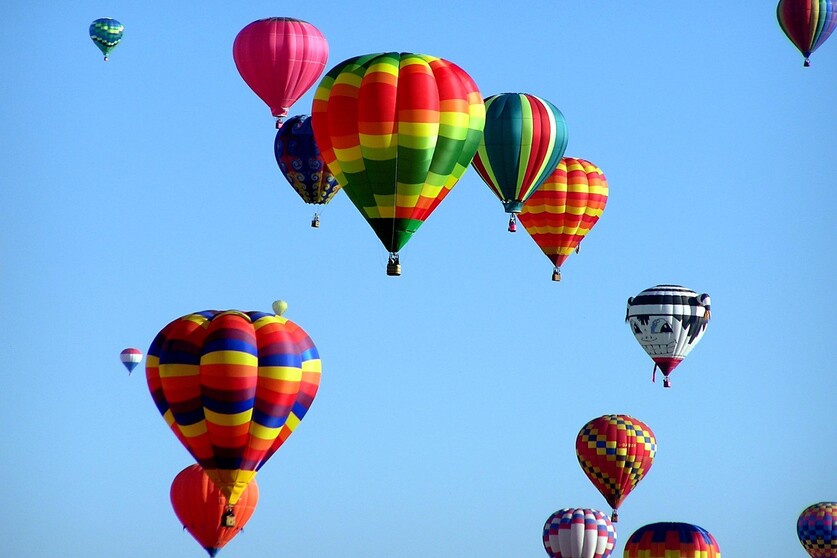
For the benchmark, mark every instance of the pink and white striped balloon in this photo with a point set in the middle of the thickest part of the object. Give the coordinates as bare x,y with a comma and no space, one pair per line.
579,533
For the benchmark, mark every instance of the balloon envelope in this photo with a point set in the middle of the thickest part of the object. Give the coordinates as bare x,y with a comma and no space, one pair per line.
106,33
130,357
565,208
668,321
579,533
615,452
232,386
524,139
671,540
200,506
817,529
807,23
301,163
280,58
397,131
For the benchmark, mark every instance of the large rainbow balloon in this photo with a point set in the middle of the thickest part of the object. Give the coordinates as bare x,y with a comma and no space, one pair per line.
232,386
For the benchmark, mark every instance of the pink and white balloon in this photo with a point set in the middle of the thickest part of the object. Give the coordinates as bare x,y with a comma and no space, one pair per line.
579,533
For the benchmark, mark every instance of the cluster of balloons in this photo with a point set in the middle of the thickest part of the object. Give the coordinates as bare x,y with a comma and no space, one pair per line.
616,452
396,132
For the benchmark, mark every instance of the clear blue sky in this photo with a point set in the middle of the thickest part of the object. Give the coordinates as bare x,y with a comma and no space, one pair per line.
144,188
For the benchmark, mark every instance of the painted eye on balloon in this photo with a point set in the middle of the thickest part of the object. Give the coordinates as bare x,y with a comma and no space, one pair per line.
660,326
637,331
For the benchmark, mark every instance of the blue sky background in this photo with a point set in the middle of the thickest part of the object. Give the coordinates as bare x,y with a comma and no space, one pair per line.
142,189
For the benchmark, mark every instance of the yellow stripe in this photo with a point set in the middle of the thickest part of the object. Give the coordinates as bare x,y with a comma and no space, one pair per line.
230,357
313,365
263,432
222,419
193,430
288,373
178,370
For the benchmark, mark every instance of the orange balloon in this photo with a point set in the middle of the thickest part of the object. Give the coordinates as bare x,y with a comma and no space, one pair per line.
203,510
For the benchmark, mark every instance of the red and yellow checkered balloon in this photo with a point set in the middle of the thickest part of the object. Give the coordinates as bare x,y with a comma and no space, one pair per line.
615,452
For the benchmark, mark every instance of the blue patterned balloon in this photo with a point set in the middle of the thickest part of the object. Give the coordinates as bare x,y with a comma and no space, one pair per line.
817,529
106,33
300,161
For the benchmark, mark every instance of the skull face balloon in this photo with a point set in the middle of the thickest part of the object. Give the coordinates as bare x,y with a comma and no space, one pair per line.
668,321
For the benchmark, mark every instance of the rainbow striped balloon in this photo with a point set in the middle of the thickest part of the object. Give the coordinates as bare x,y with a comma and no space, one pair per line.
563,210
671,540
232,386
397,131
525,138
807,23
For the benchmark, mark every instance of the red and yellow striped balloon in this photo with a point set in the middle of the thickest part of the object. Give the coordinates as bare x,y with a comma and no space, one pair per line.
563,210
232,386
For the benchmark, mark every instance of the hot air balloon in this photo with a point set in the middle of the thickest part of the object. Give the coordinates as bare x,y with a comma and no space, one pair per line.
563,210
615,452
106,33
232,386
301,163
807,23
203,510
578,533
280,307
397,131
817,529
668,321
130,358
524,139
671,540
280,58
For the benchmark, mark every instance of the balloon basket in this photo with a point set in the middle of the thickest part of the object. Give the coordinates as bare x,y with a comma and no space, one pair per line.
806,64
512,224
228,519
393,266
614,517
556,274
315,221
666,382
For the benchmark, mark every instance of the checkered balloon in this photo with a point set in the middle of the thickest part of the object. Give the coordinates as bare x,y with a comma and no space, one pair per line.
615,452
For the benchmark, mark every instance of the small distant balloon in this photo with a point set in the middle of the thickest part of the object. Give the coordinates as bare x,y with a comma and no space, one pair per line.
130,357
280,307
807,23
106,33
